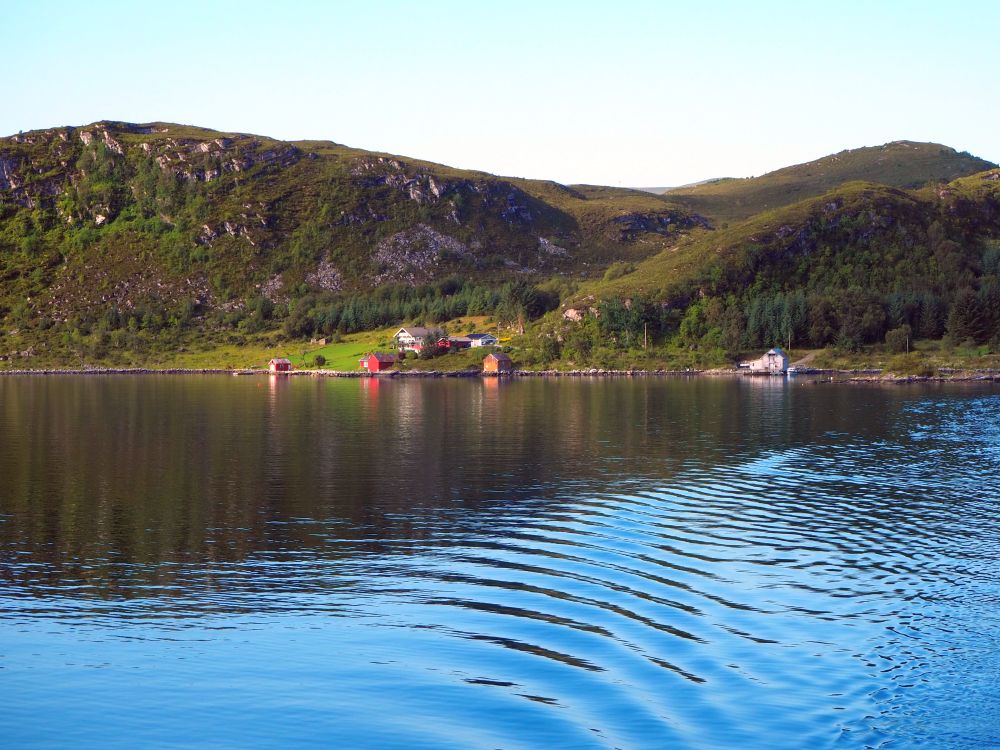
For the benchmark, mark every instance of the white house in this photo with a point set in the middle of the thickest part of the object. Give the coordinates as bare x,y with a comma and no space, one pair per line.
413,338
775,362
482,339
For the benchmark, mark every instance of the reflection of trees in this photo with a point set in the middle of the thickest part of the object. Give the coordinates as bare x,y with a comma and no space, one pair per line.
121,480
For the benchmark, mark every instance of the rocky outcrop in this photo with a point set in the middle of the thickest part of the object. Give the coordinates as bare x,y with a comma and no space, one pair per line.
628,227
412,255
9,177
499,196
103,136
548,247
272,289
326,277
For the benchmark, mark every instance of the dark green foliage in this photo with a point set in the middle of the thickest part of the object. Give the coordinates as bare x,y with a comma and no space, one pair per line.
840,270
988,298
780,319
967,321
449,298
628,323
933,314
898,340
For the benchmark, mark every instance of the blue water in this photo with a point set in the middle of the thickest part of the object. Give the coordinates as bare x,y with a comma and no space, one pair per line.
241,562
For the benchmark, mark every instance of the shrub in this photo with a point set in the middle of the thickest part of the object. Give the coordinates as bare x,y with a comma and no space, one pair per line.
619,269
898,339
911,364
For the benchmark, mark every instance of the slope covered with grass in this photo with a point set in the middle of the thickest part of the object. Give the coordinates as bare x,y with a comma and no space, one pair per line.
901,164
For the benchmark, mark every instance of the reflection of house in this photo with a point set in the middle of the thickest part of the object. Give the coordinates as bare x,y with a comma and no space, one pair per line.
279,364
482,339
497,362
413,338
377,361
775,362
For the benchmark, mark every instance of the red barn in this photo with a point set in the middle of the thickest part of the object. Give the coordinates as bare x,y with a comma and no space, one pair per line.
377,361
279,364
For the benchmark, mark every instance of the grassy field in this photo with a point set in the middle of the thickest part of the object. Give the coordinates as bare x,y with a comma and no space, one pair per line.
925,358
344,355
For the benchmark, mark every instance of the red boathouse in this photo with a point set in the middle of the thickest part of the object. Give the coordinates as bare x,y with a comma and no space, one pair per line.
279,364
377,361
497,362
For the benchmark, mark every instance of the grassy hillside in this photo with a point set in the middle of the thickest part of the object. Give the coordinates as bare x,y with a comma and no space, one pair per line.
141,228
164,244
902,164
232,213
860,265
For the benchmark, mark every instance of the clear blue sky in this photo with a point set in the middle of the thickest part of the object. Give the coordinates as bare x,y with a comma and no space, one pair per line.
622,93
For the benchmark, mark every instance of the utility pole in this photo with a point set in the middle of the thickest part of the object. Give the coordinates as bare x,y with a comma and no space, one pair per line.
645,335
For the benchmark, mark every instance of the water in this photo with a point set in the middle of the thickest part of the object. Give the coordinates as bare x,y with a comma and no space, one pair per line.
233,562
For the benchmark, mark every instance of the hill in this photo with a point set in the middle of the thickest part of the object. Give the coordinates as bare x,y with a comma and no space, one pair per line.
843,269
130,226
901,164
129,244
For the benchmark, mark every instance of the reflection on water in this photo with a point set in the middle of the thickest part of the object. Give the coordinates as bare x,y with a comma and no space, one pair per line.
586,563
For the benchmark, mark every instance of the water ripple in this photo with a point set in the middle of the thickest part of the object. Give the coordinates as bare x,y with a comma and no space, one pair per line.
831,585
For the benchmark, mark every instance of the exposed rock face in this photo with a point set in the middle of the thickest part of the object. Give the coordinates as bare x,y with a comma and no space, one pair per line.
550,248
507,201
204,161
326,276
120,287
415,183
629,226
412,255
249,227
361,215
88,137
8,173
272,289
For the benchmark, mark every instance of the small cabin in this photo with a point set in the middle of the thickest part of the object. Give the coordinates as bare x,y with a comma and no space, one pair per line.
775,362
482,339
377,361
279,364
459,342
497,362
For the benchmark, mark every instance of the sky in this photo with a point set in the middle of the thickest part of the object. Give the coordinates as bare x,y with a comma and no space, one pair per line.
629,93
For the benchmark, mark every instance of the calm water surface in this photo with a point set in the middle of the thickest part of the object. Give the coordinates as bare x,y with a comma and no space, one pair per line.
234,562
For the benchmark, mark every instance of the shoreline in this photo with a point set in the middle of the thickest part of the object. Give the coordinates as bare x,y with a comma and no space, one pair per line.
816,376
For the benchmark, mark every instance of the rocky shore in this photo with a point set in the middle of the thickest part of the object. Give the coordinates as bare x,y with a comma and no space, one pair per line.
813,376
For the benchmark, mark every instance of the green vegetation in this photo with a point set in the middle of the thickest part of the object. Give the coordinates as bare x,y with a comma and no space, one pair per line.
902,164
168,245
846,269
